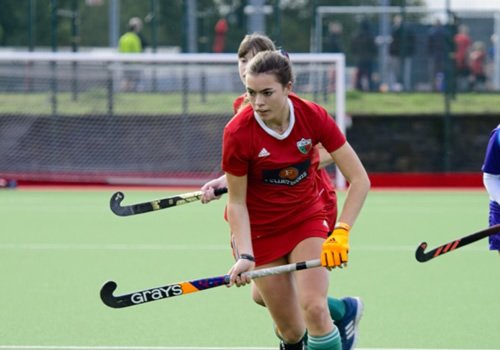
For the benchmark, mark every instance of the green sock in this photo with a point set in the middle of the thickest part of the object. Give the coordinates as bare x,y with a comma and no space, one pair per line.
337,308
330,341
337,312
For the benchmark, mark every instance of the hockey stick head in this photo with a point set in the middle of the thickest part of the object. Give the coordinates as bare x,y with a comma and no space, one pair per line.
115,205
107,295
115,302
420,255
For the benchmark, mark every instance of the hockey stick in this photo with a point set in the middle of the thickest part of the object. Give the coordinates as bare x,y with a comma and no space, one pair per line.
157,204
181,288
422,256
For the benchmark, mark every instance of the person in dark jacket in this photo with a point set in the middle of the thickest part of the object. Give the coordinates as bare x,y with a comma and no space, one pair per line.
401,50
436,46
364,49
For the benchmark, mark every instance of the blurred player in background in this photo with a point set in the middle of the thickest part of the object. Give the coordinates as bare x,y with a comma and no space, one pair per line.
274,210
491,178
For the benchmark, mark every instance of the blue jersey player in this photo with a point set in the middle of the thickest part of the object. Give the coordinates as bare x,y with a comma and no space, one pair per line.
491,179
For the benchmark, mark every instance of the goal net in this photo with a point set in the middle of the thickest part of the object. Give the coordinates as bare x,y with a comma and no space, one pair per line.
149,119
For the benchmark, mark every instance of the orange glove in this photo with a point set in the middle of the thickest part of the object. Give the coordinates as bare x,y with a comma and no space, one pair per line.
336,246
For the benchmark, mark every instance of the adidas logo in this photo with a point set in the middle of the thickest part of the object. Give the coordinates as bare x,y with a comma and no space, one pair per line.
264,153
349,330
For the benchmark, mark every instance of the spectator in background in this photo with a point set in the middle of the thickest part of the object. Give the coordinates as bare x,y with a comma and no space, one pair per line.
334,40
130,42
477,61
436,46
220,36
334,45
490,61
491,179
364,49
462,47
491,50
136,23
401,50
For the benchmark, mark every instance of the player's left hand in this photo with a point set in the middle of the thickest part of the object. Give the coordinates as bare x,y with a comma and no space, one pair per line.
336,247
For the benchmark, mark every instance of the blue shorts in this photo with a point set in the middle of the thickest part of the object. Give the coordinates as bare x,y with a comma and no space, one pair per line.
494,219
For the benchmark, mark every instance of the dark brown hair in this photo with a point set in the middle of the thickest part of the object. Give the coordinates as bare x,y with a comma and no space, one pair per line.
255,42
272,62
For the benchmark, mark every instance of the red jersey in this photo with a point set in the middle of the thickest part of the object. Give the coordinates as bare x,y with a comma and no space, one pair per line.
281,169
462,44
326,190
237,103
477,62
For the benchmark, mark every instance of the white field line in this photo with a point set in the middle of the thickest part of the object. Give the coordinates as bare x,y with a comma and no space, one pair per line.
170,247
57,347
86,246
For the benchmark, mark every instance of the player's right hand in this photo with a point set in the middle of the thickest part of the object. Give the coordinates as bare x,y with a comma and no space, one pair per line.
209,188
241,265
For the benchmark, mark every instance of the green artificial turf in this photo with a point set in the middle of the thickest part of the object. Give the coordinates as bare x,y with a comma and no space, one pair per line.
57,249
95,102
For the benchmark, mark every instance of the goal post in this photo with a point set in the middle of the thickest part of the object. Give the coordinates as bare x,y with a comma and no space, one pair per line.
148,119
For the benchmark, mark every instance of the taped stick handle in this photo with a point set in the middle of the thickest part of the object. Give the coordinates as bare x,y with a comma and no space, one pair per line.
219,191
276,270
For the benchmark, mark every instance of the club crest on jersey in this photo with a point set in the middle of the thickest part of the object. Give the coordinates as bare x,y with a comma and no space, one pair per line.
304,145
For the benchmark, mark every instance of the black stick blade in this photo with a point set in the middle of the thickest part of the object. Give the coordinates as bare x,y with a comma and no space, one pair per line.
423,256
107,296
115,205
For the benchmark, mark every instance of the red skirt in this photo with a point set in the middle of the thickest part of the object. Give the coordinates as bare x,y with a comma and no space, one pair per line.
268,247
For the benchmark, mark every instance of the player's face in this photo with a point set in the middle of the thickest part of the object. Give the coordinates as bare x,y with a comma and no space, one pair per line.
267,96
242,64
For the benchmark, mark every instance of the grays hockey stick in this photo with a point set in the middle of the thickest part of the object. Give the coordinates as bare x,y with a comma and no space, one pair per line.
423,256
181,288
157,204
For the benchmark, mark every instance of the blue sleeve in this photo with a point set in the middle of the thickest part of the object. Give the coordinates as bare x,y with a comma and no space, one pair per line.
491,163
